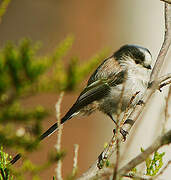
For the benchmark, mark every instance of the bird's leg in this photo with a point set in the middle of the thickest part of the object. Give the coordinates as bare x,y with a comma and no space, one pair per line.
140,102
114,130
122,131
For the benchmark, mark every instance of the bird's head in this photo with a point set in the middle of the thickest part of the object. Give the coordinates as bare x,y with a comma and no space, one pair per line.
135,54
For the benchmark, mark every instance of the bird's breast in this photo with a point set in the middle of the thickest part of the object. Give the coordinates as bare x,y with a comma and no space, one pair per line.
135,85
136,82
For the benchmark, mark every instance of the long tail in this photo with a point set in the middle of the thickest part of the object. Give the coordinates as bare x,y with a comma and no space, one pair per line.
48,132
52,129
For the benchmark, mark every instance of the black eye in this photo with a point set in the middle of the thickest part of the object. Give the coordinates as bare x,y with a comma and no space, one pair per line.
137,61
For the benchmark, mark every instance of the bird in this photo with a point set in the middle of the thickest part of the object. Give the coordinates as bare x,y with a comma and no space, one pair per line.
129,66
126,71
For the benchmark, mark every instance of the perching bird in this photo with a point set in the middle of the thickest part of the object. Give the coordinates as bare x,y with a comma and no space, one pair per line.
129,66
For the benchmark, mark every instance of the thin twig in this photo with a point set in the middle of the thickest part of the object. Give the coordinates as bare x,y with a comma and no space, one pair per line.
164,77
164,84
59,134
107,174
120,104
126,112
117,159
75,162
166,44
119,111
166,1
136,177
166,111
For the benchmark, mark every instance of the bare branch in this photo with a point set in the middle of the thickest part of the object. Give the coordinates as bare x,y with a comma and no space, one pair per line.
133,176
166,1
166,112
58,144
164,84
75,163
159,142
117,157
165,45
164,78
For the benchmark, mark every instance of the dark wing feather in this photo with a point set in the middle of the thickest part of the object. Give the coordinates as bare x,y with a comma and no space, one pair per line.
94,92
98,89
90,94
108,69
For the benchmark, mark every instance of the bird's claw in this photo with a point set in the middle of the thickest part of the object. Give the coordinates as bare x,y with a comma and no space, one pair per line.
124,133
140,102
114,131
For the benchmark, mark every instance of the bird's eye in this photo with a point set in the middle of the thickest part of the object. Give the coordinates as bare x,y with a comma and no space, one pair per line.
137,62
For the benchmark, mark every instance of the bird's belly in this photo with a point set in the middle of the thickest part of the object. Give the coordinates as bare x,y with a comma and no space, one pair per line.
121,96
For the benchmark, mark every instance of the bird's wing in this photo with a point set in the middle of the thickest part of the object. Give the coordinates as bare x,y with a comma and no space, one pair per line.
94,92
98,87
108,69
91,93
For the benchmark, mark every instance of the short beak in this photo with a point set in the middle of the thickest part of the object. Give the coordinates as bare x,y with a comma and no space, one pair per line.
148,67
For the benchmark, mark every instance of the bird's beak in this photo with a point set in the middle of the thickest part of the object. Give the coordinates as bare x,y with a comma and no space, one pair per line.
148,67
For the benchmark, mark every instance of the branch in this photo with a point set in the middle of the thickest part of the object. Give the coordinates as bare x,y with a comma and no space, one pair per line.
75,161
165,45
58,144
159,142
155,82
132,176
166,110
167,1
112,145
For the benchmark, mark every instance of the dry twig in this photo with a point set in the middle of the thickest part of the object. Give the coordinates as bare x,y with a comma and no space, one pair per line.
59,134
162,171
166,112
75,163
167,1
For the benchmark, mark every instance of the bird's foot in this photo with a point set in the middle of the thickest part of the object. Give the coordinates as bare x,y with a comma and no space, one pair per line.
123,132
140,102
114,131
